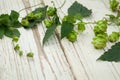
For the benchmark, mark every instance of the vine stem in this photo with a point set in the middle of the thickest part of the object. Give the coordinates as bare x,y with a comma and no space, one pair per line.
42,3
90,22
60,6
29,7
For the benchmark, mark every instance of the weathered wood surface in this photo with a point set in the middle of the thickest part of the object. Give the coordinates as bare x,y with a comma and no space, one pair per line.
57,60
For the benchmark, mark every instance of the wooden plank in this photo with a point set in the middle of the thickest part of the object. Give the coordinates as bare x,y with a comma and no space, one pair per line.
83,43
26,67
57,60
110,30
54,55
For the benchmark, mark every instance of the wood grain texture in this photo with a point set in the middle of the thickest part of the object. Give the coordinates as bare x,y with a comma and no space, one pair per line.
57,60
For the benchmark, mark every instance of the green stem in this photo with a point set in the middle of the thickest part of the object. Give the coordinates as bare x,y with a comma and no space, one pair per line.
90,22
60,6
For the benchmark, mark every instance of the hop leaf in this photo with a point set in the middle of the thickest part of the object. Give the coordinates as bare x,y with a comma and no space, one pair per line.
50,30
112,54
2,31
12,33
78,10
14,15
114,19
66,29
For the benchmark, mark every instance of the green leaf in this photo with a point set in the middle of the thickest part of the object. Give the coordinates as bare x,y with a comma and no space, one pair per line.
16,24
2,30
118,14
114,19
66,29
79,10
4,19
14,15
50,30
12,33
111,17
8,23
112,54
13,22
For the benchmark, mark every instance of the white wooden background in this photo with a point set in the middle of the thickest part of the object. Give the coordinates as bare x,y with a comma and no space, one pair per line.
57,60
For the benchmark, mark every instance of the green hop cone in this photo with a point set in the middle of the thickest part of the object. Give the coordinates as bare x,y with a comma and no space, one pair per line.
30,54
113,37
81,26
103,35
72,37
69,18
25,22
51,11
113,5
37,15
64,18
48,23
100,27
99,41
15,39
11,28
30,16
33,16
17,47
20,53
